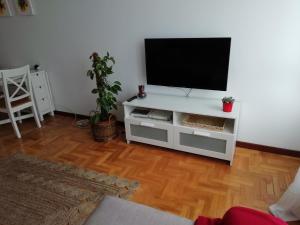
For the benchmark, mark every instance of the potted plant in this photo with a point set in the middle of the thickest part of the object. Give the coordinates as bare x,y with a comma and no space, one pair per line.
103,123
227,104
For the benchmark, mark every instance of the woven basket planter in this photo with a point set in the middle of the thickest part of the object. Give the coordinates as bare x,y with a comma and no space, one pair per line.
105,130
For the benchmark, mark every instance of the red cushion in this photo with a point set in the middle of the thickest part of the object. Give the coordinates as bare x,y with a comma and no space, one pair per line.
246,216
242,216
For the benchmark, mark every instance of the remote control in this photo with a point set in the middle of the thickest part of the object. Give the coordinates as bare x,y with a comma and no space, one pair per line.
132,98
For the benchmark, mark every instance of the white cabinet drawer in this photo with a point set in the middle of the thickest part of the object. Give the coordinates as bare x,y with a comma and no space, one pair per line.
149,132
43,104
38,78
41,91
204,142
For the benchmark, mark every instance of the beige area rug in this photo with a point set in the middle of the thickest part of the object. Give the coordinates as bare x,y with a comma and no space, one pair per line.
37,192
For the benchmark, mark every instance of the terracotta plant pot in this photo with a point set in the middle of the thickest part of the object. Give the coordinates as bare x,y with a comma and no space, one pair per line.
227,106
105,130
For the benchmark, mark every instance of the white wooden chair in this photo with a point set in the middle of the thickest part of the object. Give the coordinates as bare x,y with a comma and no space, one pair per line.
17,95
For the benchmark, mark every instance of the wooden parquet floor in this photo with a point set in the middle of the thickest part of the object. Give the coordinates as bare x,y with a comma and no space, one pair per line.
181,183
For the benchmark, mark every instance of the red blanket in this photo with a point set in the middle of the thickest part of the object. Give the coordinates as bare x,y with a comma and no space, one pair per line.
241,216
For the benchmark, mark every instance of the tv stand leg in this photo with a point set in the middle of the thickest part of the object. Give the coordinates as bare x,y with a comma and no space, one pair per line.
128,142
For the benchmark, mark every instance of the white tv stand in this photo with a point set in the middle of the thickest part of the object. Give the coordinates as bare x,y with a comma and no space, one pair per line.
173,134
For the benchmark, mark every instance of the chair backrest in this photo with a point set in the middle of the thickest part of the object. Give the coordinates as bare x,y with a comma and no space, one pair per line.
16,84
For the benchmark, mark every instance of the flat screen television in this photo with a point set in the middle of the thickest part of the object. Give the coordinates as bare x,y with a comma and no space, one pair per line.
200,63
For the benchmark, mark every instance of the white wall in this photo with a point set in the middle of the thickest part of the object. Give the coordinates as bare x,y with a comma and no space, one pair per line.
265,57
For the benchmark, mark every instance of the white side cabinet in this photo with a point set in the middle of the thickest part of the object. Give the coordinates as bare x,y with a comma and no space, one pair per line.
174,134
42,93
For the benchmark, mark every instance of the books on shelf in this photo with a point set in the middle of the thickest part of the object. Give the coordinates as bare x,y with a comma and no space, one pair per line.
152,114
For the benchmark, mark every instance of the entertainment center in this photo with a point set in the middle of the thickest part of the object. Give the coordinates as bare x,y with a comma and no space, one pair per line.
189,124
175,135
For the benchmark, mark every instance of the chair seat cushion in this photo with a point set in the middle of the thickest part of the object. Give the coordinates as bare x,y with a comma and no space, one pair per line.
14,103
116,211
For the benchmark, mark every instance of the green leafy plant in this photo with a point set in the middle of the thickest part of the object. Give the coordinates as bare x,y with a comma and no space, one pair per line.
228,99
105,91
2,7
23,4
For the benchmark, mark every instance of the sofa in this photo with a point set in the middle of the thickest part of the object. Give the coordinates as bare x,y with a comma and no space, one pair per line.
116,211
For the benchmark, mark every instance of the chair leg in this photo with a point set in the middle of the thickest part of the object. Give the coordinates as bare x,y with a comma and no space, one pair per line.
19,115
14,124
36,117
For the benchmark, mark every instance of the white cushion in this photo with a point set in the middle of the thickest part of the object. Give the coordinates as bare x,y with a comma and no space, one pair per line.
288,207
116,211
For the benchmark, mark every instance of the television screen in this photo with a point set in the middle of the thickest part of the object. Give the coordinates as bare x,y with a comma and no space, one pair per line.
188,62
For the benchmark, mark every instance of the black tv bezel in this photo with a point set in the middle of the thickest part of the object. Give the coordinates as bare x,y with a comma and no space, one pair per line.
183,86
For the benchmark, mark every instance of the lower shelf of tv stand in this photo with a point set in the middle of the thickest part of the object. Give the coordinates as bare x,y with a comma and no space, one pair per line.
197,141
160,134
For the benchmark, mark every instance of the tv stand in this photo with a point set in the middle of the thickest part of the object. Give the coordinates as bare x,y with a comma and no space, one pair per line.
174,134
